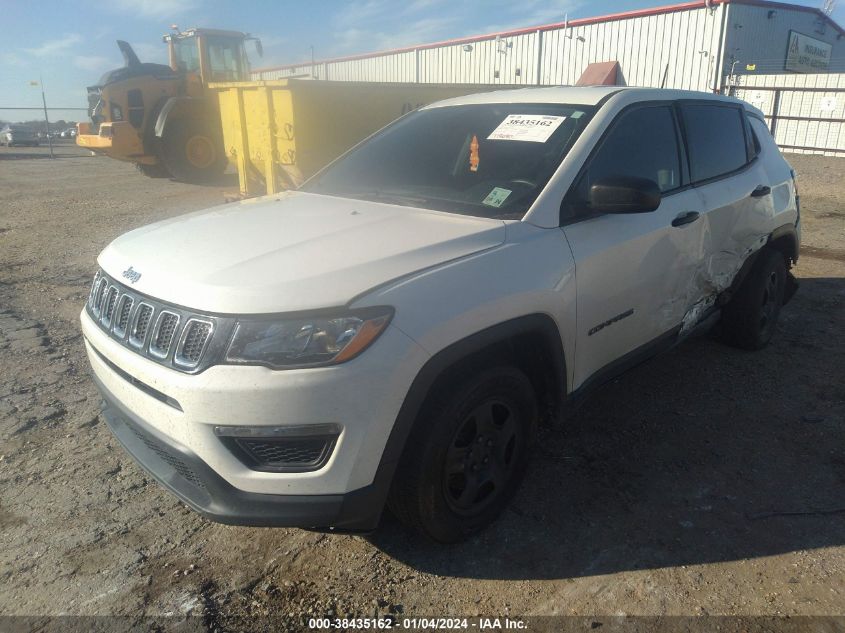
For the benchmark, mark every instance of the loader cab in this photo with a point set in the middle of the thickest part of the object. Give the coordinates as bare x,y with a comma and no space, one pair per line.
210,54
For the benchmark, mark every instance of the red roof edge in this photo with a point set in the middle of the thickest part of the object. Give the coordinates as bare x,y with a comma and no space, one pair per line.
636,13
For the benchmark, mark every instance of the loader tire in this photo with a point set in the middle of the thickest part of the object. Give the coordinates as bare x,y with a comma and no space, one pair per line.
153,171
193,152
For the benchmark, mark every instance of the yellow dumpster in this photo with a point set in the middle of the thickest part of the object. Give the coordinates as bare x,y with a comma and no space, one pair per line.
278,133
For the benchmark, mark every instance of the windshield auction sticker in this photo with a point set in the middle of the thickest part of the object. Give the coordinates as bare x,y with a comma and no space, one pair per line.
526,127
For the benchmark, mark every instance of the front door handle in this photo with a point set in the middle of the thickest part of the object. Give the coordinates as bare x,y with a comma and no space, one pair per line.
761,191
686,217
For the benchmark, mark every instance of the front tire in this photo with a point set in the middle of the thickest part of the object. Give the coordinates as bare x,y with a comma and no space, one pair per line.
466,455
193,152
749,319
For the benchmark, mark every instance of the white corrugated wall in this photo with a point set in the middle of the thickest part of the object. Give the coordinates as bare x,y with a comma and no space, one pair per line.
511,60
683,44
693,47
391,67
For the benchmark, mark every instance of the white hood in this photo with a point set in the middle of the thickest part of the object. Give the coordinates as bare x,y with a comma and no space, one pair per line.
295,251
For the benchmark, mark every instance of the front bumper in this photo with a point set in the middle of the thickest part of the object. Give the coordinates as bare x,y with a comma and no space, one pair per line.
183,473
180,412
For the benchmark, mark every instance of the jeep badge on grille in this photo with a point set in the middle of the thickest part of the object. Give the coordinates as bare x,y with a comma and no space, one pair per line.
131,275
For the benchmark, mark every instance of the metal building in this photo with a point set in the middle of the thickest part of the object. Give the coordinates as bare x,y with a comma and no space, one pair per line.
698,45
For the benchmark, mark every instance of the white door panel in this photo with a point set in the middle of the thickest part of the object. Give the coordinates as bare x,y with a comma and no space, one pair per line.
635,275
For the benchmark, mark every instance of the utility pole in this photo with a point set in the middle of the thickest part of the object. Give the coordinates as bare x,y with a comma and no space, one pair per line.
46,118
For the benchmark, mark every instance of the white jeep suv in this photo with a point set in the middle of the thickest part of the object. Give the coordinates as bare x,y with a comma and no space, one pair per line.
392,332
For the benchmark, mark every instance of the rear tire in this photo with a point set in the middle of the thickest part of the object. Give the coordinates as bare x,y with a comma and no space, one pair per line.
749,319
466,455
193,152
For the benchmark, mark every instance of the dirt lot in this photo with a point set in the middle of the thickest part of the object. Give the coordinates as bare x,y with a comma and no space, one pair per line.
705,482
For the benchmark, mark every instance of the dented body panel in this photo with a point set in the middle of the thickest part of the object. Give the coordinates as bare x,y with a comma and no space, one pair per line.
640,250
641,279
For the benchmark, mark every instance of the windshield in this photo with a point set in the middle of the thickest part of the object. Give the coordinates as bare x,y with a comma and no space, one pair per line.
488,160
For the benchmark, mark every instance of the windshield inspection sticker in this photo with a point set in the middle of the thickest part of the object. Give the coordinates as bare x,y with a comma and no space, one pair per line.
526,127
497,197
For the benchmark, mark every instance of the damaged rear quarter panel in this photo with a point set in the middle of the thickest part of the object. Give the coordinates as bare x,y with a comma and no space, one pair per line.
736,225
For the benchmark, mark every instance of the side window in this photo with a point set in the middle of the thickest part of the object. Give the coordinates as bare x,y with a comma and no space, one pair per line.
187,56
762,135
642,143
751,140
716,140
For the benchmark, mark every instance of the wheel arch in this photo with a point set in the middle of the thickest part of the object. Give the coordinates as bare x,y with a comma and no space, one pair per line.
785,240
517,339
532,343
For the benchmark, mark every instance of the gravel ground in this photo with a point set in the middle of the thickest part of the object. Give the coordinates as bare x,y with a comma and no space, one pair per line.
705,482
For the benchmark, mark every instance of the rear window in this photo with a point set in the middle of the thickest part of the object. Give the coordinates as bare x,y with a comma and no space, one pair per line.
716,140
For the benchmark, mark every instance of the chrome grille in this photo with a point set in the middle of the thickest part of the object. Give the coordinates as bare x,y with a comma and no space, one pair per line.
94,286
141,325
124,310
195,337
109,303
164,333
97,295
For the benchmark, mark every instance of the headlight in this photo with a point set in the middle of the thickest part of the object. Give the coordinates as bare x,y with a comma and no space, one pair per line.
307,341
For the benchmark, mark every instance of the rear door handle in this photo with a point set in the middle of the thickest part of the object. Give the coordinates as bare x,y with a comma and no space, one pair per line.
686,217
761,191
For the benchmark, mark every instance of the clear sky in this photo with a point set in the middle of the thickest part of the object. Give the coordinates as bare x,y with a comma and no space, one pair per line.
71,44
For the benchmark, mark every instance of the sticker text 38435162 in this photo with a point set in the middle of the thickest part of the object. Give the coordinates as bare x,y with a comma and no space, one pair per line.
526,127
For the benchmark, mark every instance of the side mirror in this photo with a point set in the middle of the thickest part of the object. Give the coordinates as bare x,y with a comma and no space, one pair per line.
259,48
624,194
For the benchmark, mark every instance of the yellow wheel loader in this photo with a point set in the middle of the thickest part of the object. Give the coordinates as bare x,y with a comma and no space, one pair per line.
163,118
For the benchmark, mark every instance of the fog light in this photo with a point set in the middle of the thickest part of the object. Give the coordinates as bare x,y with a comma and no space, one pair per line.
281,449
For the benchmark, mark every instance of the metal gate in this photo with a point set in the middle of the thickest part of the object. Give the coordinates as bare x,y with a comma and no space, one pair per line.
806,113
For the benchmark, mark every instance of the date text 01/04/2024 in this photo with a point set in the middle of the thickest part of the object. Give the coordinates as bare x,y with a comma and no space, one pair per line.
388,622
